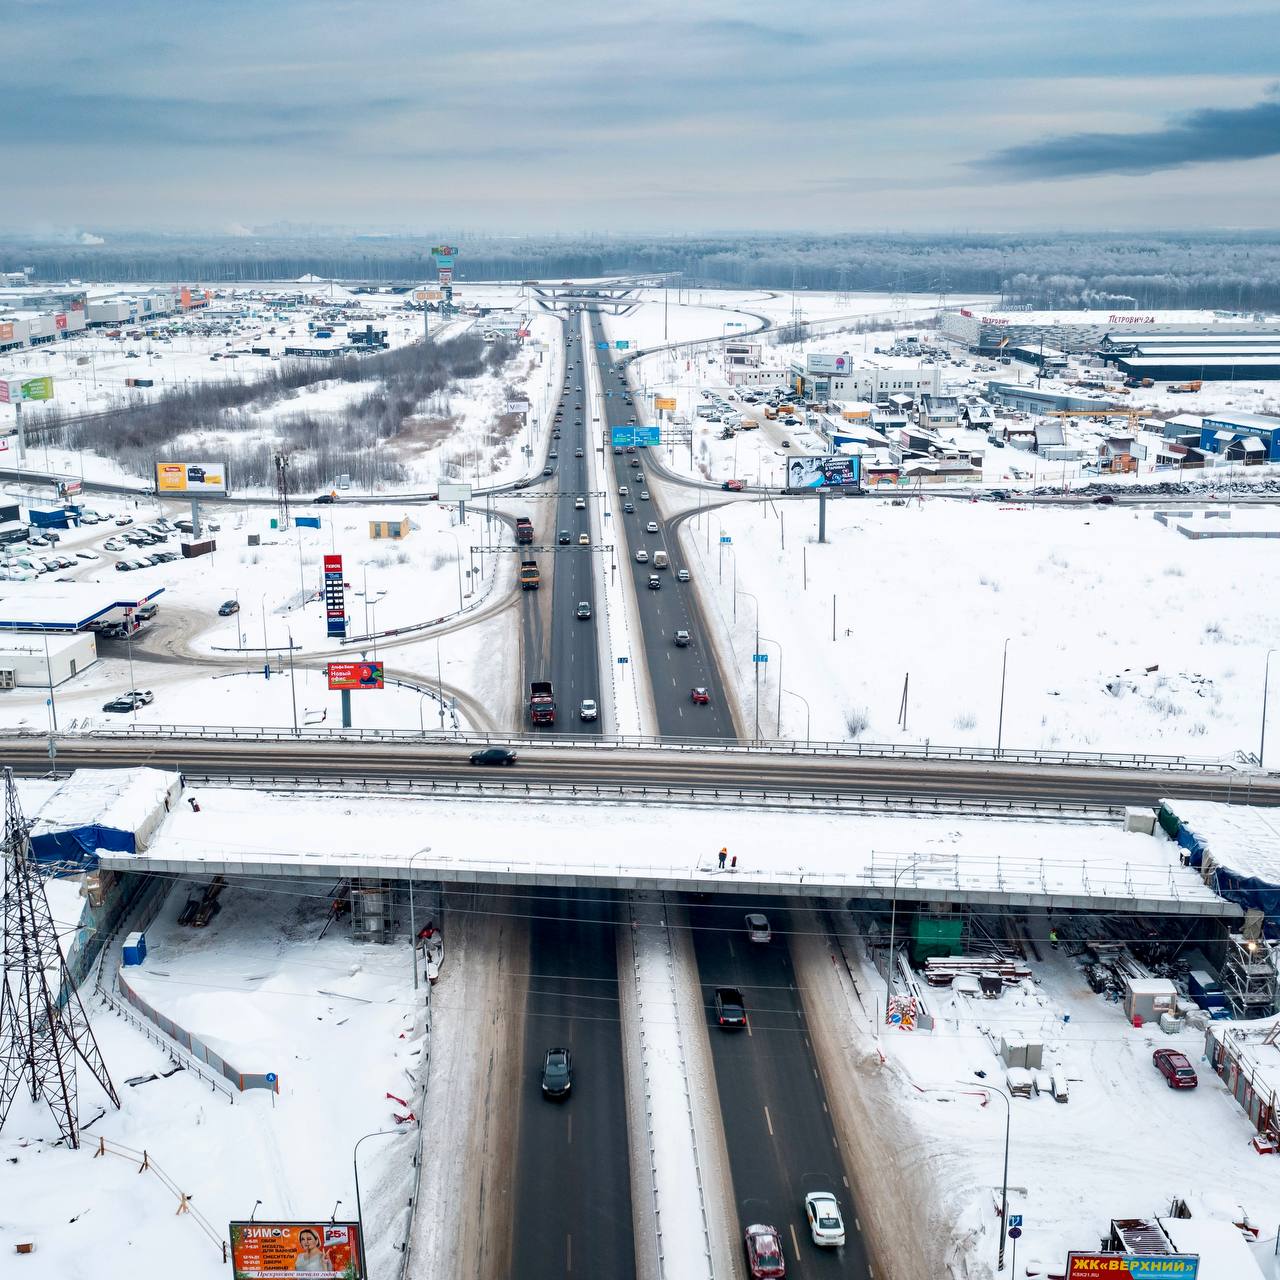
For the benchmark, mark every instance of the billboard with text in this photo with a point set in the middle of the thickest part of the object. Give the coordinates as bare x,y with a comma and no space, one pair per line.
296,1250
15,390
824,471
1113,1266
626,436
191,477
356,675
664,402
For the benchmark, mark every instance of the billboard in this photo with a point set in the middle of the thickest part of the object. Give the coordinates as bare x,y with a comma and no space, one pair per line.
454,493
6,331
191,477
826,362
15,390
622,344
624,436
824,471
446,275
444,251
1185,1266
664,402
516,406
296,1250
335,605
356,675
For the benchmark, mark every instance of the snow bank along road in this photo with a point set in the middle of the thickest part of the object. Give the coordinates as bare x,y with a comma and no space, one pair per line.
702,769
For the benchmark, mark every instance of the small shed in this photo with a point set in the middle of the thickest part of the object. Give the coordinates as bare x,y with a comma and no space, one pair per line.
1145,999
389,528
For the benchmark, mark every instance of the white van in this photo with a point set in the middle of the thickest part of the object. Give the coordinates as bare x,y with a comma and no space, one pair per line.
660,560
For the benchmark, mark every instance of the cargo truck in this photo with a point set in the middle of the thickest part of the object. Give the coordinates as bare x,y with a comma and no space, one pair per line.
542,703
524,529
530,579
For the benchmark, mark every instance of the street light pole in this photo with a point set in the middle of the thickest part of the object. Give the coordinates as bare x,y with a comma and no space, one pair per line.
778,721
355,1169
807,717
293,688
893,925
1004,665
1262,742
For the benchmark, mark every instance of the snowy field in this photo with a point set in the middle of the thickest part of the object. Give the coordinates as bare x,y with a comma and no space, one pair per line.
1122,634
337,1022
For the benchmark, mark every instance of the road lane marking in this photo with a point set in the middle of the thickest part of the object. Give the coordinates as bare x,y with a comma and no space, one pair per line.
570,1127
568,1253
844,1177
824,1107
856,1223
795,1244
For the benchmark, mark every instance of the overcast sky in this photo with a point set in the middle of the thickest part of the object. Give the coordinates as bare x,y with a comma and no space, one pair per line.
699,115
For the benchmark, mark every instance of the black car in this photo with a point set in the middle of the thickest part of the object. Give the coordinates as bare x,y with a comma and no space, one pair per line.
731,1011
324,498
557,1073
563,539
1104,500
493,755
228,607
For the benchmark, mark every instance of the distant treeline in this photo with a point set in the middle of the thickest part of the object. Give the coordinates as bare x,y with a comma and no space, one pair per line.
1233,270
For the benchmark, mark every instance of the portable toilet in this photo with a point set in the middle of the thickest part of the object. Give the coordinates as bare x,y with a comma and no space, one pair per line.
135,948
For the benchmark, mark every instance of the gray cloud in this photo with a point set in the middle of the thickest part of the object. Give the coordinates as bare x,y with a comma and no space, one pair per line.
1214,133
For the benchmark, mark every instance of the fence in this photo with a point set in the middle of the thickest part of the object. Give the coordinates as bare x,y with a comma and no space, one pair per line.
763,746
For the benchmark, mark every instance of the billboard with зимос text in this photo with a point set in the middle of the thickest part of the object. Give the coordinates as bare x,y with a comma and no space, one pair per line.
296,1250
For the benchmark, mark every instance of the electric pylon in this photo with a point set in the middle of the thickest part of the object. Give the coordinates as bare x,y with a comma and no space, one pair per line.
43,1025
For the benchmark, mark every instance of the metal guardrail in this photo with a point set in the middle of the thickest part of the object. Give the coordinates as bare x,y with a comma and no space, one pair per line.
931,806
598,742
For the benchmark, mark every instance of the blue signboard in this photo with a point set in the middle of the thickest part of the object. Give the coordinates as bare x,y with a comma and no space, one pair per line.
627,436
759,657
622,345
602,346
649,436
724,537
623,661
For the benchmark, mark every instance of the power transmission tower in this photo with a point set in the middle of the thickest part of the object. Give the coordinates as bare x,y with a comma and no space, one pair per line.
282,489
43,1025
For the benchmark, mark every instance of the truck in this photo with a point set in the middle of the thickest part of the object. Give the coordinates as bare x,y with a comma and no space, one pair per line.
1185,388
542,702
524,529
530,578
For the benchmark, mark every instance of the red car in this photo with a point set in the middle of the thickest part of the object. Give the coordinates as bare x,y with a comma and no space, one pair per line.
764,1252
700,695
1176,1069
734,486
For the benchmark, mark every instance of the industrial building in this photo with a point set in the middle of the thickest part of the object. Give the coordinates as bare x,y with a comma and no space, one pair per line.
991,333
32,322
1184,357
1031,399
44,661
825,376
1242,437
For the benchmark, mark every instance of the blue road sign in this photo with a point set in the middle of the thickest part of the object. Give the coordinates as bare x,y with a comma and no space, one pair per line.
725,538
1015,1219
623,661
759,657
621,345
602,346
650,436
1015,1233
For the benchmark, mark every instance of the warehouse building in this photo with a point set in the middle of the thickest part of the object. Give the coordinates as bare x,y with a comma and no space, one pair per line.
991,333
131,308
1242,437
1029,399
35,661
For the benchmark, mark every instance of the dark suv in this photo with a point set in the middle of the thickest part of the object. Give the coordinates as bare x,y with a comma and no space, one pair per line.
557,1073
730,1009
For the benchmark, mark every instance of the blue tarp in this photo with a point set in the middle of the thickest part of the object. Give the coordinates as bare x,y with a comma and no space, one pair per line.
78,846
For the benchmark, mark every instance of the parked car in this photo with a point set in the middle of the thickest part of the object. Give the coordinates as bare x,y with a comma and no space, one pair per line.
124,520
493,756
731,1010
557,1073
826,1226
758,927
764,1252
228,607
1176,1069
130,701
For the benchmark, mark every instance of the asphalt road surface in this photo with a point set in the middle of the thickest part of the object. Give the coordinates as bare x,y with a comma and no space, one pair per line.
777,1126
674,672
573,1194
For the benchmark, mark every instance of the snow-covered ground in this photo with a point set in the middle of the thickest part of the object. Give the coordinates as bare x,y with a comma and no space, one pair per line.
338,1023
1122,634
437,569
1124,1145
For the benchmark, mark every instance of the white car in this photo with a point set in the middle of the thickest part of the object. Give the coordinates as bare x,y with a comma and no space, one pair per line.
651,527
642,556
114,544
88,555
825,1223
579,504
588,710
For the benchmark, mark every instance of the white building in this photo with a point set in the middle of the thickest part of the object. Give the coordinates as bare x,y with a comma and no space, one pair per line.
825,376
24,664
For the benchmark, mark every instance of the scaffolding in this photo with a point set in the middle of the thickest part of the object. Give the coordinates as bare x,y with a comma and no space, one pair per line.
370,911
1249,976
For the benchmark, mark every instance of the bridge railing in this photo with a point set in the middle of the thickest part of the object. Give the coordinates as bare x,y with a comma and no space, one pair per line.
606,742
